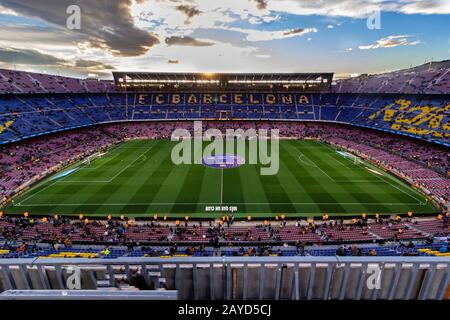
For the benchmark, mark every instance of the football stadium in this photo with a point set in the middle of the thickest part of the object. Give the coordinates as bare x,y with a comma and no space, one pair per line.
224,185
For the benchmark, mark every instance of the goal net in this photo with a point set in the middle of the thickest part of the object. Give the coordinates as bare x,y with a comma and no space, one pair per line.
355,159
92,157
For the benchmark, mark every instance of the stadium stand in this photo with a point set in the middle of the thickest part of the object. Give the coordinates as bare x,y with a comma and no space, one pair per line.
399,121
24,116
18,231
431,78
12,81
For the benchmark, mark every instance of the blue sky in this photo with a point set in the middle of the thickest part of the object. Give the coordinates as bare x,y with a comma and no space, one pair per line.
223,36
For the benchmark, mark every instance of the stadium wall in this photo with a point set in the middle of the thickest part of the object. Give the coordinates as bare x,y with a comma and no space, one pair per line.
231,278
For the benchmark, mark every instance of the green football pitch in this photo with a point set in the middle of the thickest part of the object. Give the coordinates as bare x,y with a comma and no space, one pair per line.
138,178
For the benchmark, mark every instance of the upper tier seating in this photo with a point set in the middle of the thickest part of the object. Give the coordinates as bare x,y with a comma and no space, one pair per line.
426,117
12,81
425,80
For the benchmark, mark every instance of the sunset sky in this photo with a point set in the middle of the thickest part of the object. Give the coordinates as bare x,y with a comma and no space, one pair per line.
222,35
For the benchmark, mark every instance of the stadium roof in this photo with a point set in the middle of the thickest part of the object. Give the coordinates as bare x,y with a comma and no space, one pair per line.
130,79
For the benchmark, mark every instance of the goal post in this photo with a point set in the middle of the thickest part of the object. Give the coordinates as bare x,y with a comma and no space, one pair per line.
87,161
355,159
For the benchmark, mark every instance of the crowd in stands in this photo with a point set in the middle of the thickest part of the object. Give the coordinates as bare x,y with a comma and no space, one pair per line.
23,116
36,158
12,81
21,231
432,78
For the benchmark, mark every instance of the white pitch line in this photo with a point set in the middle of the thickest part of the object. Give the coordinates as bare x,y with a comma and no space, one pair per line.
115,176
51,184
102,164
216,203
221,187
60,180
315,165
378,177
385,180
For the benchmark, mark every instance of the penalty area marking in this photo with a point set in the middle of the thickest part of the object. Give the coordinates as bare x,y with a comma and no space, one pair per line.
384,178
61,179
115,176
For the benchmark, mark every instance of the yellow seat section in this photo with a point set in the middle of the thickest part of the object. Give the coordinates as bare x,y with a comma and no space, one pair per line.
6,125
87,255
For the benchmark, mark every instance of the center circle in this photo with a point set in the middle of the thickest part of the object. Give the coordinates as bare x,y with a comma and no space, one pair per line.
223,161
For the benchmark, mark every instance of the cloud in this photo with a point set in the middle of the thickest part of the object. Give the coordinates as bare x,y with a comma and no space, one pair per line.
392,41
91,64
261,4
187,41
44,61
28,57
189,11
34,36
358,8
426,7
105,24
294,31
254,35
